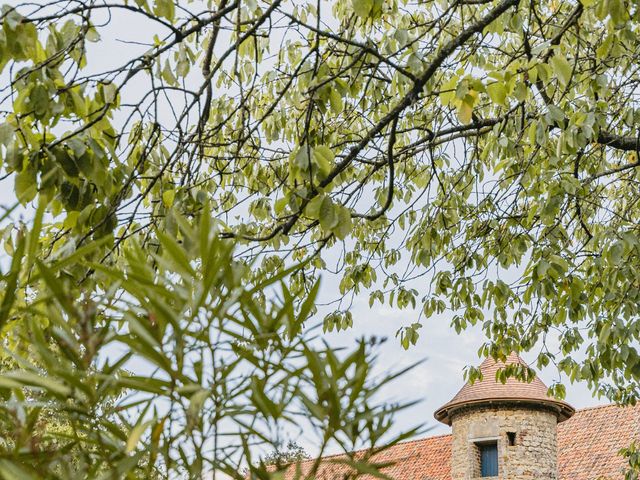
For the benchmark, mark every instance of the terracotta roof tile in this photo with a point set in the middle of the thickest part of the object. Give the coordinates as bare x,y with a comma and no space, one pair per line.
588,446
490,389
424,459
588,443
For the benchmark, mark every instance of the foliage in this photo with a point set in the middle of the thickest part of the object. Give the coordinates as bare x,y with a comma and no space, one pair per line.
176,370
292,453
632,454
485,152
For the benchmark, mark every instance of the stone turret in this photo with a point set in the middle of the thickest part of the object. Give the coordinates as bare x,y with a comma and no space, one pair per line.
504,431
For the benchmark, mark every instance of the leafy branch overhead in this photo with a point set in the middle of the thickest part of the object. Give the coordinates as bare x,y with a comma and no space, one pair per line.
478,158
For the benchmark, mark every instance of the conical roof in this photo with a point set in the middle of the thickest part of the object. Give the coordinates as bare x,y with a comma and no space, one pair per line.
489,390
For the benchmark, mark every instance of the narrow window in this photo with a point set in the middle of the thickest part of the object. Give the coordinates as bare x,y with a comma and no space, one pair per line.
488,459
512,438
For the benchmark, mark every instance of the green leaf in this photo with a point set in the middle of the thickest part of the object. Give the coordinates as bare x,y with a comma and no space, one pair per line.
335,99
344,225
556,114
8,383
166,9
497,92
56,289
26,186
561,67
312,210
39,100
168,196
362,8
145,384
143,4
11,284
465,112
92,35
48,384
6,133
136,433
177,253
618,11
259,396
323,160
13,18
302,160
12,471
196,402
110,92
328,214
34,235
323,154
75,258
167,74
68,164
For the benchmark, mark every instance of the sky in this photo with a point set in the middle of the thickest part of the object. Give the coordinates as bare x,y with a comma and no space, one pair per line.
443,353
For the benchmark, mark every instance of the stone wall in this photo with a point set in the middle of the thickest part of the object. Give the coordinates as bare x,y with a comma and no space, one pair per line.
532,457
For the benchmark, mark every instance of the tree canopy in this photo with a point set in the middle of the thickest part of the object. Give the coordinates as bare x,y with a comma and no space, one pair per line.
478,158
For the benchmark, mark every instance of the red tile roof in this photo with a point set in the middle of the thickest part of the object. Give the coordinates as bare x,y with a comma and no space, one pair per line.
588,446
420,459
424,459
489,390
588,443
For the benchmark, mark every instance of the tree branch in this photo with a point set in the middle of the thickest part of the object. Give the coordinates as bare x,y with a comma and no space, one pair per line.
390,161
628,144
409,99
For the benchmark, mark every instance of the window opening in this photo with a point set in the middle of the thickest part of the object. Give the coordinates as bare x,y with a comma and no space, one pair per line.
512,438
489,459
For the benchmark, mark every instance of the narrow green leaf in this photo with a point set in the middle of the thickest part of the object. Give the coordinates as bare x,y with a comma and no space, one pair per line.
34,380
12,280
136,433
55,287
12,471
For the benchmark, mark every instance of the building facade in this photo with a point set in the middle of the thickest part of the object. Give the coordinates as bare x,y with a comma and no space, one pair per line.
508,431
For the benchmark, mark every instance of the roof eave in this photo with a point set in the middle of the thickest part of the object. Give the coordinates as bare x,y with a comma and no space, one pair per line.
562,409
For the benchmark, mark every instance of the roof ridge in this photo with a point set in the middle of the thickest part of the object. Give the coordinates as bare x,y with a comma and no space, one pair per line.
607,405
415,440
